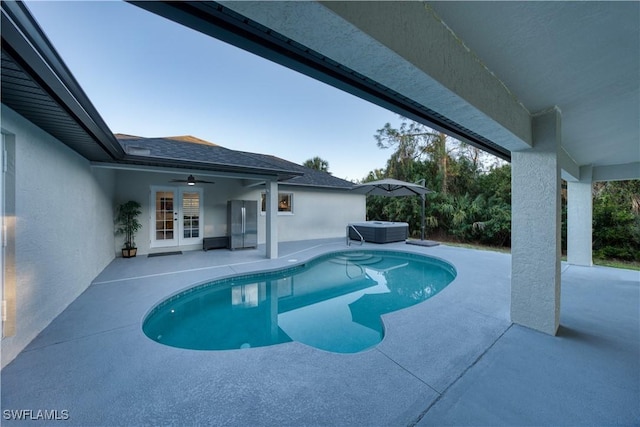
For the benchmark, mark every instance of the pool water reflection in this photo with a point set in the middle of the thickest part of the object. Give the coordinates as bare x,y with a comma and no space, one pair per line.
333,303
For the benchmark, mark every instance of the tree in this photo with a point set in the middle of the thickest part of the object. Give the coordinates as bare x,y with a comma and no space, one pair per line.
472,199
616,220
317,163
414,142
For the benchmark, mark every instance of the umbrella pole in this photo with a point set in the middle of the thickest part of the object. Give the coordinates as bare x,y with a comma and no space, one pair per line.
422,182
422,196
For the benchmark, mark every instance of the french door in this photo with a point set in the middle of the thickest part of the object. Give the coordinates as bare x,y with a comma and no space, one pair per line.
176,216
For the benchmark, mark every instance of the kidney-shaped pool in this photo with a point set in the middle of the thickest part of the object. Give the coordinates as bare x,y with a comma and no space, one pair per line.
334,302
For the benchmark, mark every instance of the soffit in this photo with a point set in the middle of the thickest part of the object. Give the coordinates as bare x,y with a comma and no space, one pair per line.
580,56
37,85
307,41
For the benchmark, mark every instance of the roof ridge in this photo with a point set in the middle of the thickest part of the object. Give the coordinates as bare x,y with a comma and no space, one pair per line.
180,138
307,171
267,155
190,139
127,136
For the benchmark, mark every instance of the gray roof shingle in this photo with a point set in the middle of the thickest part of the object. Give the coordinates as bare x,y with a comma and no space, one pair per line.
310,177
187,149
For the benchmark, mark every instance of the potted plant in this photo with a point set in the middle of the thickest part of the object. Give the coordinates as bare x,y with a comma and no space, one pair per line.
128,224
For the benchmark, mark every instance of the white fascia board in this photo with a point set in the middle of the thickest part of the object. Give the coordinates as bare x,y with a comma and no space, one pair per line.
621,172
570,169
180,171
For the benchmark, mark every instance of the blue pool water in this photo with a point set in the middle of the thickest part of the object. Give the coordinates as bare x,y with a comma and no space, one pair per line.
333,303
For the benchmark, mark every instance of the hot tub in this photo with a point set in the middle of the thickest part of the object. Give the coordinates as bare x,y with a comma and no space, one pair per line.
380,231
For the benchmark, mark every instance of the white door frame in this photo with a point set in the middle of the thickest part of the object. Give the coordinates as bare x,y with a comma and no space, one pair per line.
182,240
178,217
3,235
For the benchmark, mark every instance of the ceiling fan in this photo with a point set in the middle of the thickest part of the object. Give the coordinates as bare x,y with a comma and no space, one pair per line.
192,181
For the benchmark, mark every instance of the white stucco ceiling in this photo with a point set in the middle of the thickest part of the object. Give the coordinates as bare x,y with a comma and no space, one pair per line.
581,56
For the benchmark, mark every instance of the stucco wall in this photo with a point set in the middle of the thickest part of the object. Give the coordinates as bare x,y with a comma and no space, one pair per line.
63,227
136,185
318,213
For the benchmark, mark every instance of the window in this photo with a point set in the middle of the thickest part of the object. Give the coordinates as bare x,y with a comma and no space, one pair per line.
8,234
285,203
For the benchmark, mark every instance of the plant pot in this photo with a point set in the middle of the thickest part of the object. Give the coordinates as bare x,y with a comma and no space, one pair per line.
129,253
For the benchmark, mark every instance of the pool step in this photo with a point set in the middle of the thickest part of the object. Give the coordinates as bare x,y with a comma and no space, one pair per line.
355,255
356,258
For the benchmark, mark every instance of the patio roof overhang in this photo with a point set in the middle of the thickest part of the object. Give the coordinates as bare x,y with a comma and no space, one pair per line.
443,68
229,22
250,176
37,84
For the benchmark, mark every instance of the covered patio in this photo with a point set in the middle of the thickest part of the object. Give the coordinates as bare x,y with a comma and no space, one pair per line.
550,86
454,359
558,95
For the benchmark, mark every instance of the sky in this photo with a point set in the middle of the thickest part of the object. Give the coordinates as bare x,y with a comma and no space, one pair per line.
150,77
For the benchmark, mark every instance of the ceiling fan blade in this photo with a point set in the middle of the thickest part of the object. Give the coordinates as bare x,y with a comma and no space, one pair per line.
191,180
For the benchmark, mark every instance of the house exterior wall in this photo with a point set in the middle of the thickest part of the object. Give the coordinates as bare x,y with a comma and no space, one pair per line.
136,185
318,213
63,227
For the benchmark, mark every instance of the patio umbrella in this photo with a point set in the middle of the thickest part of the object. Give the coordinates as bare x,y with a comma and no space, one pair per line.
393,188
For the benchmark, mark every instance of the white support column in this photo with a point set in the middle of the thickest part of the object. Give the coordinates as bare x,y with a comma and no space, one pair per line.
272,219
536,228
580,219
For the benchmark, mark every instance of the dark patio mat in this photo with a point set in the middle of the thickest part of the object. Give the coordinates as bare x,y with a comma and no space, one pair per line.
165,253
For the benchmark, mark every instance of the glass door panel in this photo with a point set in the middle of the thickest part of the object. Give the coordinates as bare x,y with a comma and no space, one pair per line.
163,233
176,219
190,213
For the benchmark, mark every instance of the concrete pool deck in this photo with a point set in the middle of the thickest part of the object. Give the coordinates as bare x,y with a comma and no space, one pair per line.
454,359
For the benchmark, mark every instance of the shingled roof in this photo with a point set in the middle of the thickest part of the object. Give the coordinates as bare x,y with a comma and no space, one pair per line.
197,152
310,177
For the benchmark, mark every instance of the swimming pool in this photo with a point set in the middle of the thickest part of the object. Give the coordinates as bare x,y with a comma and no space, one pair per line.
333,302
